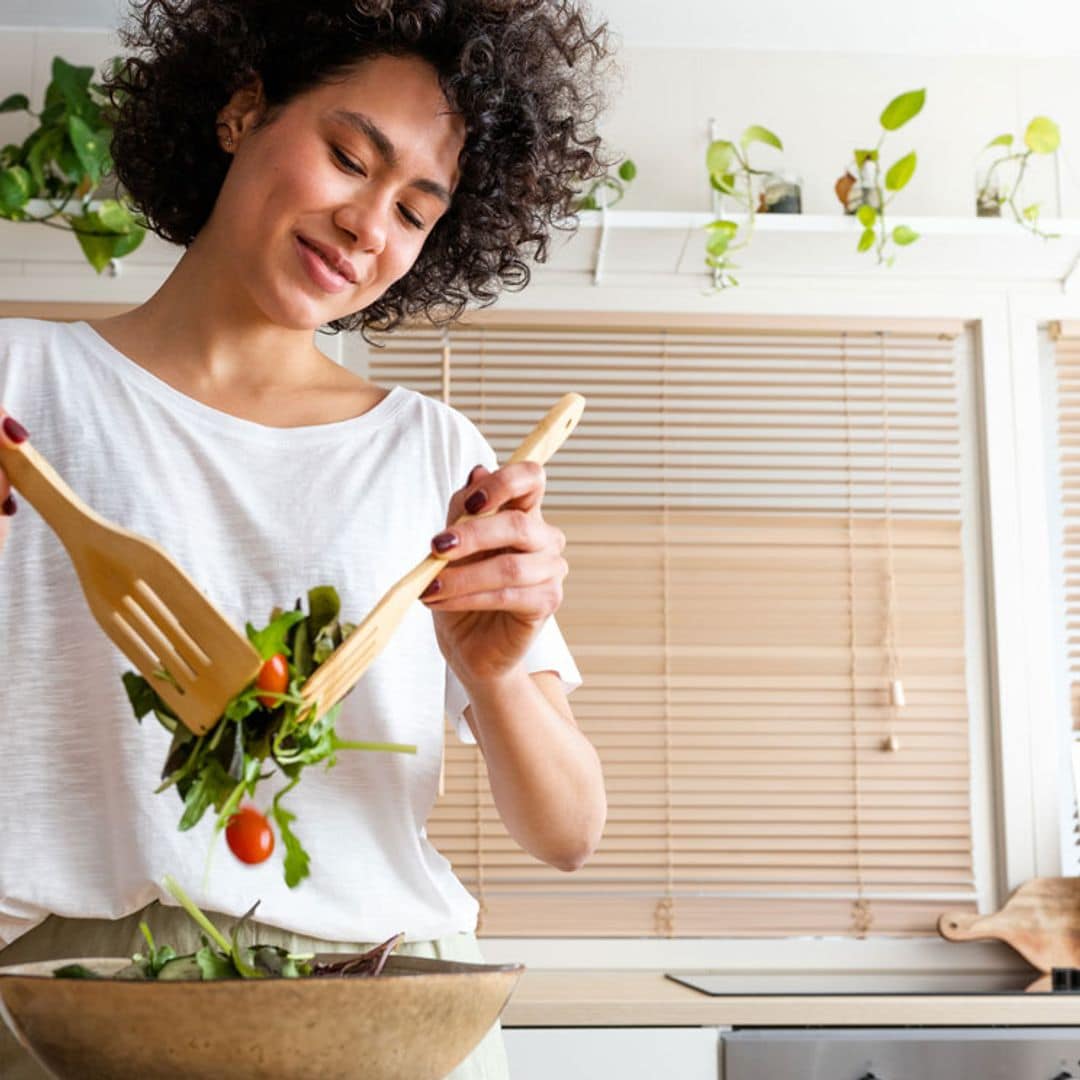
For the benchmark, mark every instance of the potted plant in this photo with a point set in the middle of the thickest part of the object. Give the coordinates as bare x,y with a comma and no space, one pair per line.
607,190
59,175
867,192
732,176
999,183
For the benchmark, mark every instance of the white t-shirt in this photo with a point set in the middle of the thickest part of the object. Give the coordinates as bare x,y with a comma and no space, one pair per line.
256,516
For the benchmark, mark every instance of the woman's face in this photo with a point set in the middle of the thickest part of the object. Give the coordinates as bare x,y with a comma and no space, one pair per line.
353,174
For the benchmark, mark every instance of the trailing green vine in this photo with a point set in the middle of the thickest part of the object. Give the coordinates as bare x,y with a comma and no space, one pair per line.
65,164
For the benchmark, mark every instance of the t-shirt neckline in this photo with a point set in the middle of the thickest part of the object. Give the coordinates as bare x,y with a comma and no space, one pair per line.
149,383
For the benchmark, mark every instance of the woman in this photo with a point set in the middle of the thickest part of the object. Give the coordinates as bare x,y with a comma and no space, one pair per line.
341,164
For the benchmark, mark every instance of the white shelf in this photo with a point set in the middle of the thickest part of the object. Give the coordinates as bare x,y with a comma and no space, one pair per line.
642,249
663,243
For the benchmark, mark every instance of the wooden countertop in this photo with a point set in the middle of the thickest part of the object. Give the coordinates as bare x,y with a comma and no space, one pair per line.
550,998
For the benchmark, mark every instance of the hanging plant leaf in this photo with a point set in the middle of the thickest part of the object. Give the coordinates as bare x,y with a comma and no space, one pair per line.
14,103
98,244
757,133
91,148
720,157
902,109
1043,136
71,85
904,235
900,173
16,187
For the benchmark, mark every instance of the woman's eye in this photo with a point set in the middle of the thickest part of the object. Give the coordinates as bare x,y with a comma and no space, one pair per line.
347,162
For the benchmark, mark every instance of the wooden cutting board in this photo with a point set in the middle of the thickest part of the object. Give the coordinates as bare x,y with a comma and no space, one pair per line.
1041,921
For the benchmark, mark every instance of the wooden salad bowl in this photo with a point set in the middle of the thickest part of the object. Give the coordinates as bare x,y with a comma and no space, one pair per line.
416,1020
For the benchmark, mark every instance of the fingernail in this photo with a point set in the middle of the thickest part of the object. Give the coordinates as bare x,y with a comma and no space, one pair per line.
444,542
472,473
8,506
432,589
14,430
476,502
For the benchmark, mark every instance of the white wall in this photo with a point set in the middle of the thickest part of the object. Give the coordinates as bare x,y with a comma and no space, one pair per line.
822,104
926,27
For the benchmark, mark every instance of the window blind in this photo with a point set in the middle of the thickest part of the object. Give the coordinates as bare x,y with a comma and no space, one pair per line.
1065,384
766,600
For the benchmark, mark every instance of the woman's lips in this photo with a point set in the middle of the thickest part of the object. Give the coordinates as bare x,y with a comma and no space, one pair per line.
318,269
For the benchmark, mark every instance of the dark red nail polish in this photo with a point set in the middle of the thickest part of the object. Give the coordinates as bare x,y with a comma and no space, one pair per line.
432,589
444,542
14,430
476,502
8,506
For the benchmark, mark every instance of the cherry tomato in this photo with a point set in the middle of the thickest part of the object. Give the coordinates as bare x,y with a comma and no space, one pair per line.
249,835
273,676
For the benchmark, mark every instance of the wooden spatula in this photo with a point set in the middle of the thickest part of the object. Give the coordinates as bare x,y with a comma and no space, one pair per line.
154,613
1040,920
340,673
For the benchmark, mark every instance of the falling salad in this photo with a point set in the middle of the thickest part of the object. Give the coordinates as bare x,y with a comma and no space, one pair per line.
266,725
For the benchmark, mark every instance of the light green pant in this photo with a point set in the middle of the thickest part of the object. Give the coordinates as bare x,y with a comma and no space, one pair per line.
58,938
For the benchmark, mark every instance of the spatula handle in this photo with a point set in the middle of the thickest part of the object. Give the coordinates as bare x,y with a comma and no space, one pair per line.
42,486
539,446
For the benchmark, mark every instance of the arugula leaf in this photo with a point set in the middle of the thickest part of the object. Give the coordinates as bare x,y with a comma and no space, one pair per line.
156,958
324,606
239,959
297,860
274,960
214,965
75,971
272,638
140,693
212,787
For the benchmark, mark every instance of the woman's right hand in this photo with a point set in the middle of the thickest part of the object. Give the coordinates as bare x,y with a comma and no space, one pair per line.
11,434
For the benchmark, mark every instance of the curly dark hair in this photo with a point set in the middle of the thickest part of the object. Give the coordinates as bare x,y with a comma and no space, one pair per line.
525,75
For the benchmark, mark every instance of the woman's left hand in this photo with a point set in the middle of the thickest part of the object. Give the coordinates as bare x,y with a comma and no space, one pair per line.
504,572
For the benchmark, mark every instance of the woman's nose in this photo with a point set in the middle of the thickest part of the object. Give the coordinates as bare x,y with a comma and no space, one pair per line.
366,224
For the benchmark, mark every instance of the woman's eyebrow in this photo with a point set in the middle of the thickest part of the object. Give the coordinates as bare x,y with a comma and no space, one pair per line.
385,148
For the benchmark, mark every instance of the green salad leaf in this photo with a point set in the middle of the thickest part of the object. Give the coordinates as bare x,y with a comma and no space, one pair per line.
220,957
260,732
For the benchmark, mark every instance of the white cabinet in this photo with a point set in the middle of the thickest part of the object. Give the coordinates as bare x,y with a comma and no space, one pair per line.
626,1053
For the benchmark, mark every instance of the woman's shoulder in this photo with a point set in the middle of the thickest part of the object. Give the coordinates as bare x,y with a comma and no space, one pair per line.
24,336
444,428
453,420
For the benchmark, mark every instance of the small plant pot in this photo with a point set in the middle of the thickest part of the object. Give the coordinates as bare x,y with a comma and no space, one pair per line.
858,190
781,193
987,204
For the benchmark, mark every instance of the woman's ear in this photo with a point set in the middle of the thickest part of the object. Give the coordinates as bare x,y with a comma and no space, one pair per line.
241,115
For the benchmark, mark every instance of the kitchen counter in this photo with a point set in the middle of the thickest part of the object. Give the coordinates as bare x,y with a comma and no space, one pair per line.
553,998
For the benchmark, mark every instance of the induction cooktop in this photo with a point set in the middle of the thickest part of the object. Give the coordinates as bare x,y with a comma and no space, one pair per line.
745,983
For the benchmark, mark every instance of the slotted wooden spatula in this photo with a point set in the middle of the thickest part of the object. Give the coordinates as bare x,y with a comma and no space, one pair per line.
340,673
154,613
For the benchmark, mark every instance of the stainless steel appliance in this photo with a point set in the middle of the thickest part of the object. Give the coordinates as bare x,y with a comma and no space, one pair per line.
902,1054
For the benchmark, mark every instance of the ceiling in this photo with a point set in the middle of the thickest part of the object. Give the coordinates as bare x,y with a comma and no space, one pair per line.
1007,27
